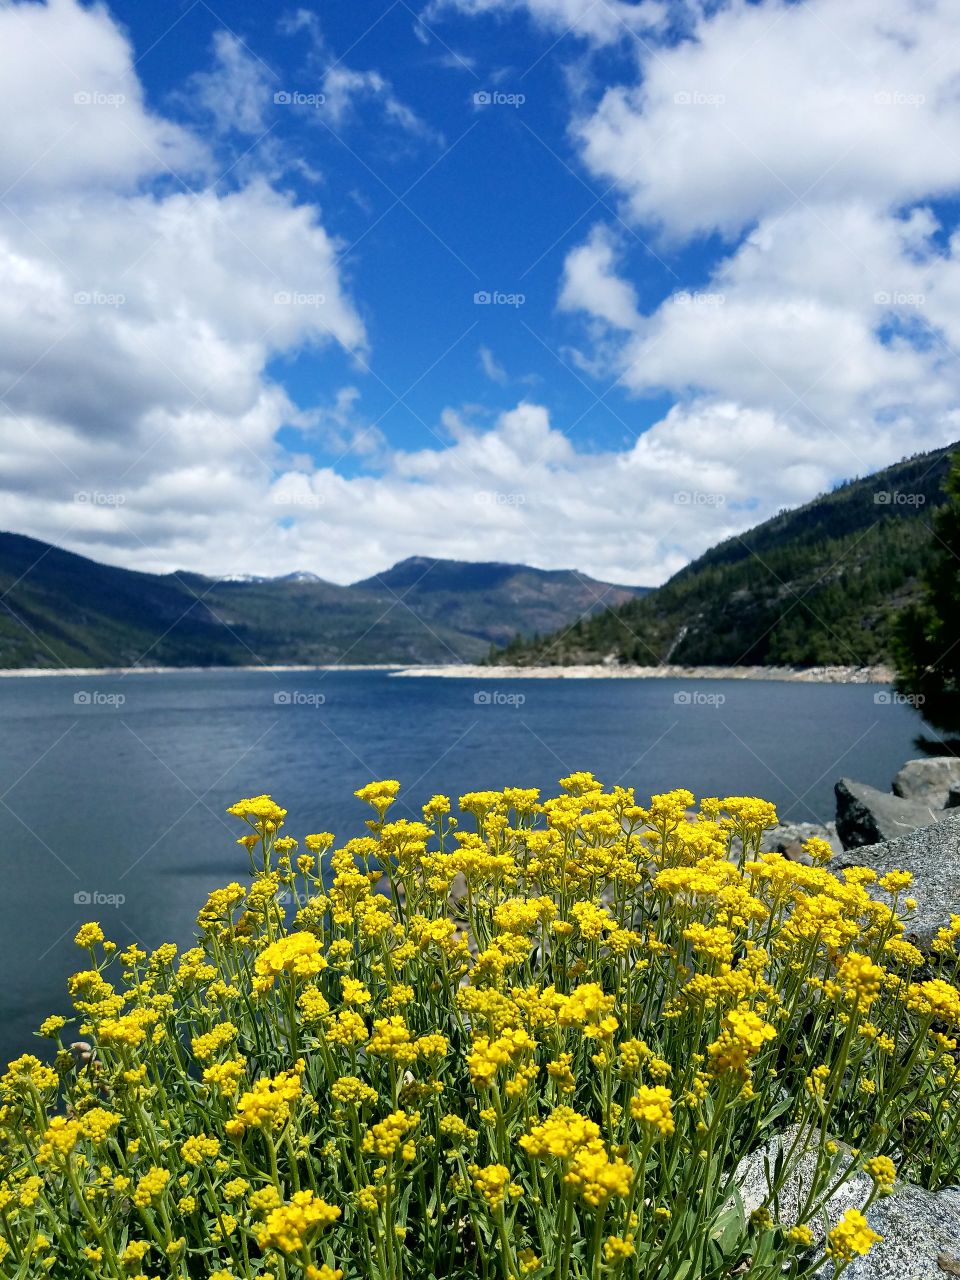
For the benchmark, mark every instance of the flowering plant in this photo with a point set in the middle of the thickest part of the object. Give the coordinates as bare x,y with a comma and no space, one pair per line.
536,1041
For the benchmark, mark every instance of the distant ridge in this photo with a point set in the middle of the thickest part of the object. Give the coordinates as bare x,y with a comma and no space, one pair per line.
62,609
817,585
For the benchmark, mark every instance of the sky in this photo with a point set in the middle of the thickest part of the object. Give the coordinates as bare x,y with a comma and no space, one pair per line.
582,284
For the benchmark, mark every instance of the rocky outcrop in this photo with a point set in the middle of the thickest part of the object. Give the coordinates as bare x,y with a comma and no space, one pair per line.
867,816
920,1229
789,837
932,855
929,781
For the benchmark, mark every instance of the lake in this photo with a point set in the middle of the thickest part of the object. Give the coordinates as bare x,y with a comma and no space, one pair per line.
113,788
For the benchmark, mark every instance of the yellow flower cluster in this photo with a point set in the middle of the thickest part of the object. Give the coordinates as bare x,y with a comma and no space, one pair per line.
540,1033
288,1227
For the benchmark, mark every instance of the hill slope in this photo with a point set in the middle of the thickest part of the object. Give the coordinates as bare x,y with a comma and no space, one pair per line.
495,601
61,609
815,585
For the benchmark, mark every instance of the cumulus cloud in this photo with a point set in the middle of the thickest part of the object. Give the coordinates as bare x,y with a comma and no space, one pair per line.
814,138
773,104
517,488
138,316
72,106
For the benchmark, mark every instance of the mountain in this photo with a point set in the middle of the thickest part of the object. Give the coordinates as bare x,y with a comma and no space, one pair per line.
61,609
495,601
815,585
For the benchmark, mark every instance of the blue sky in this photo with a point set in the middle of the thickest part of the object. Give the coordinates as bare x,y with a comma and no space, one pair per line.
243,247
496,198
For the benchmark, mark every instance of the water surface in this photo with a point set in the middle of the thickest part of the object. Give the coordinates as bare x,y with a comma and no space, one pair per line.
113,788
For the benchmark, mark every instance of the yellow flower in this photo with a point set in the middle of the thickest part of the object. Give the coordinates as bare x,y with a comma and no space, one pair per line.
883,1171
742,1037
298,954
492,1182
851,1235
288,1227
861,979
653,1106
88,935
199,1148
151,1187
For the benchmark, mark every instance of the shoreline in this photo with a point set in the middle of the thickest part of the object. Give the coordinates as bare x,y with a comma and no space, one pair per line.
801,675
474,671
31,672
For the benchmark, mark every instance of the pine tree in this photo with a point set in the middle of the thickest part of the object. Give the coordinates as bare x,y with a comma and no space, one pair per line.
926,635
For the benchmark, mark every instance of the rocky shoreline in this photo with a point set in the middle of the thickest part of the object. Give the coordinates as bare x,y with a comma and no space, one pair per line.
604,671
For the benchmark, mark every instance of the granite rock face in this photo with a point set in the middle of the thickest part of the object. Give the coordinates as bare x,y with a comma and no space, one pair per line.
932,855
867,816
920,1229
929,781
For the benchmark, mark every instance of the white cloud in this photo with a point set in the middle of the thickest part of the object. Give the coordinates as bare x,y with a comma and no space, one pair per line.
136,325
344,88
591,283
72,106
238,91
516,489
492,367
814,138
152,400
599,21
771,104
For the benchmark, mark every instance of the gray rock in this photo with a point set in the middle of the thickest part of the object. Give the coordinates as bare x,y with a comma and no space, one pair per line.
921,1237
920,1229
755,1189
932,855
929,780
788,838
868,816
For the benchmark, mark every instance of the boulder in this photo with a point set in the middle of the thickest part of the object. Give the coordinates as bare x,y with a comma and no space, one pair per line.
921,1237
788,838
868,816
929,780
920,1229
932,855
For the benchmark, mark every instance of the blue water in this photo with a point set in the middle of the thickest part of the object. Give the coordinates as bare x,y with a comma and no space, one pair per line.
117,785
